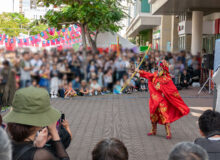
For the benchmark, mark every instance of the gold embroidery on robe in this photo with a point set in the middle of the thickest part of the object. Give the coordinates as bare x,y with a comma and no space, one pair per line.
154,97
157,86
154,117
163,119
176,94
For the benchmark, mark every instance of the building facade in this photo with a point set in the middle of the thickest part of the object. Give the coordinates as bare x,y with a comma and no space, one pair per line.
198,25
32,10
141,23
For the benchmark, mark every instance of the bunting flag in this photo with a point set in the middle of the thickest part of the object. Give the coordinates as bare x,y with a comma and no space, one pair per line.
64,31
37,44
62,40
58,32
48,43
52,42
4,36
26,41
43,43
1,41
44,34
67,36
51,31
20,42
58,41
77,28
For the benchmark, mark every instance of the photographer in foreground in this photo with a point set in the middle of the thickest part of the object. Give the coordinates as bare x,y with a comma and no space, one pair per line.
31,124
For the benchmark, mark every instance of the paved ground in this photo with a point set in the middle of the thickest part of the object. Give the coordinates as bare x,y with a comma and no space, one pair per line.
127,117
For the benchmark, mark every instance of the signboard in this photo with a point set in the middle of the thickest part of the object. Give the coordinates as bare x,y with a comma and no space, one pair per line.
156,34
143,48
168,46
217,55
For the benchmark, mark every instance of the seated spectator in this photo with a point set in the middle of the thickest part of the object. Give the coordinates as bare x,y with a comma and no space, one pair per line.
184,79
209,125
5,146
143,86
124,81
31,112
69,91
95,88
108,80
188,151
117,88
110,149
83,90
76,84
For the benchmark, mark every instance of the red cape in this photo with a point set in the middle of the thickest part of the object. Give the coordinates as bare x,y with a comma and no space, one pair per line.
165,96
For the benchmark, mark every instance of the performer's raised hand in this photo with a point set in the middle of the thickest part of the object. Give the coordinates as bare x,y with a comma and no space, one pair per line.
137,70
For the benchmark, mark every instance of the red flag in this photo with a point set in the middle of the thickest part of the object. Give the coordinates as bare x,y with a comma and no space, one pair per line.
43,43
58,32
48,43
20,42
53,42
1,40
44,34
51,31
62,40
58,41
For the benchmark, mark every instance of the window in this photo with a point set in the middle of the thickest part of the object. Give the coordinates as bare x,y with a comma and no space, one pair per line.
145,6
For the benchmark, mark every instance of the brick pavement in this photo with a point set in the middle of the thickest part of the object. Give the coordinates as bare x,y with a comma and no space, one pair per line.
127,117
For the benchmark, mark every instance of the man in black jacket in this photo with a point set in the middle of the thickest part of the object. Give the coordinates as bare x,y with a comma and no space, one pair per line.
209,124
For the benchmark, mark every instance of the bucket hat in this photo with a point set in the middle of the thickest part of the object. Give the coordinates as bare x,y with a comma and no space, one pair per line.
31,106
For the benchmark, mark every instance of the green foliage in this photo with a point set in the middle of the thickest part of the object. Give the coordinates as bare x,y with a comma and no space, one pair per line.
98,15
11,24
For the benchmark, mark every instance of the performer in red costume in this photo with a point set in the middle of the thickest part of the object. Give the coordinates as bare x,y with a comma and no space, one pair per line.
166,104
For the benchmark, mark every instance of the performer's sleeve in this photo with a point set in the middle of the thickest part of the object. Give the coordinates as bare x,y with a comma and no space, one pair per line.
146,75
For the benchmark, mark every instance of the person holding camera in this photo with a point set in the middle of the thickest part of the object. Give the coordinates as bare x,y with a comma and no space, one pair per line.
32,122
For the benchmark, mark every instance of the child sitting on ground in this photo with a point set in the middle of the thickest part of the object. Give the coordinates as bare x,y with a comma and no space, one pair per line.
69,91
117,88
143,85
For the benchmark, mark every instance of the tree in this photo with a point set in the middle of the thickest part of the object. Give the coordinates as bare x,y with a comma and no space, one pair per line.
93,16
13,23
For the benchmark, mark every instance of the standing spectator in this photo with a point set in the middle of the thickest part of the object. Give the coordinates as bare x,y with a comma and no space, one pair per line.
45,77
188,151
76,84
110,149
75,65
119,68
5,146
8,84
36,63
31,112
54,85
25,68
108,80
209,125
100,76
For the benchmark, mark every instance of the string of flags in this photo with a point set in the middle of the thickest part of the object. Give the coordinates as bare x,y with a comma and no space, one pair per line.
66,36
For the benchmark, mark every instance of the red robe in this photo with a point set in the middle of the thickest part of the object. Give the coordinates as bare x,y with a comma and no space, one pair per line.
166,104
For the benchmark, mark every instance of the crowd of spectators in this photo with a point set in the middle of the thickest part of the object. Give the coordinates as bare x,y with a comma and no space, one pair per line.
68,73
